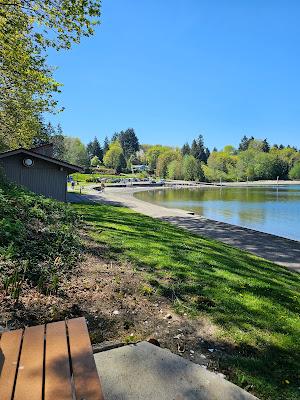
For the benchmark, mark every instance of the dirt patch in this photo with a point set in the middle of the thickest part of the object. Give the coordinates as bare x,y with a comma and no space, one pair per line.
120,306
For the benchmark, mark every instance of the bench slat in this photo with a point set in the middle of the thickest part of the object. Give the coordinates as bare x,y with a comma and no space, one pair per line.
10,345
86,379
57,363
30,373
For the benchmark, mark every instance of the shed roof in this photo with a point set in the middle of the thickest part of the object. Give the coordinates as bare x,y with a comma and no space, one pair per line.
71,168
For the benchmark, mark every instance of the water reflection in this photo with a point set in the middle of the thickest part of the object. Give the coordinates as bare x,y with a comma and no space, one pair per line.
272,209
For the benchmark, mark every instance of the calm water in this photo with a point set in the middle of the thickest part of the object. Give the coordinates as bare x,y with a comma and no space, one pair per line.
268,209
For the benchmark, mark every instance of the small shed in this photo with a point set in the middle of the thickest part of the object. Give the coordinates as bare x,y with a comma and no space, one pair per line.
38,171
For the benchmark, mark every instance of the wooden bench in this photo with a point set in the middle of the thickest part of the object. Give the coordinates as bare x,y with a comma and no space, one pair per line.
49,362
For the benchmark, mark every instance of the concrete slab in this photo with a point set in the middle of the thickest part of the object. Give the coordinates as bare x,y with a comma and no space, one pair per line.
146,372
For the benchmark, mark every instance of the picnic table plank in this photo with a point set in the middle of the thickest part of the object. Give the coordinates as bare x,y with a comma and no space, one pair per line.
10,345
57,363
86,379
29,382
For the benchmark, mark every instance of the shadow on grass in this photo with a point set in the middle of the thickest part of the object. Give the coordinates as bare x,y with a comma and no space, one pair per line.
253,301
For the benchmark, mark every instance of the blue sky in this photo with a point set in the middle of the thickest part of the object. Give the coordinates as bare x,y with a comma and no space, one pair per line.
173,69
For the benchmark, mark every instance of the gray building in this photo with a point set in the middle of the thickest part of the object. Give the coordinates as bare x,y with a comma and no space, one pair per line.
38,171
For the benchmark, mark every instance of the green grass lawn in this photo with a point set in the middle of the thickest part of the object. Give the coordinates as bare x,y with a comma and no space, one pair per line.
83,177
255,303
82,184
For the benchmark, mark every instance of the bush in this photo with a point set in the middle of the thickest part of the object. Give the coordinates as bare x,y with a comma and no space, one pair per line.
95,161
295,171
38,245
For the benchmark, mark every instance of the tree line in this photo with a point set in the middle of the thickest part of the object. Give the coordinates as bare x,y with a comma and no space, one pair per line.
253,159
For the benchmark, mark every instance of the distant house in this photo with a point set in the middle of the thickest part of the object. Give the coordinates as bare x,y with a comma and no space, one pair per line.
139,168
37,170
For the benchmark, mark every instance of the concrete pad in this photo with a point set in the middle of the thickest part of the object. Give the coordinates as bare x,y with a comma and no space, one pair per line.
146,372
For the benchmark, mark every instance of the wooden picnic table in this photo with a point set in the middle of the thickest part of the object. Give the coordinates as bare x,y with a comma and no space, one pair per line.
49,362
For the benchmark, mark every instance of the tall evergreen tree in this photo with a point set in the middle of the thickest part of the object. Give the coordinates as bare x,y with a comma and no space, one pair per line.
265,146
198,150
194,148
186,150
58,141
207,153
243,146
94,149
129,142
115,136
105,145
245,141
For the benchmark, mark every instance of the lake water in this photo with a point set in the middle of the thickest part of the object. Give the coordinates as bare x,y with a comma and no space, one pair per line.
270,209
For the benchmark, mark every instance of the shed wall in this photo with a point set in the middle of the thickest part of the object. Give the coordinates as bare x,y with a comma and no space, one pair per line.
42,178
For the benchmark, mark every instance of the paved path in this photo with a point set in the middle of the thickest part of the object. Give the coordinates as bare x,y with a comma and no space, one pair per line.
147,372
277,249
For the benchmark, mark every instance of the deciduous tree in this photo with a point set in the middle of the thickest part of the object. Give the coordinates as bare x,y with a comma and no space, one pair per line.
114,157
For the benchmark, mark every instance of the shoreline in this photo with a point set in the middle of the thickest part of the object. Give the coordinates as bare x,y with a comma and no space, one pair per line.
191,184
262,183
280,250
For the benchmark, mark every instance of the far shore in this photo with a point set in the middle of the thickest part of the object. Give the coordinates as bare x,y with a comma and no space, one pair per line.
261,183
242,184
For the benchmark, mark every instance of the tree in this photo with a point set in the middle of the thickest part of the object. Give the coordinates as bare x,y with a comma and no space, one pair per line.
75,152
221,165
191,169
207,153
105,145
265,146
289,155
27,28
58,141
269,166
174,170
198,150
295,171
115,136
95,161
129,143
94,149
194,148
114,157
257,145
26,83
185,149
229,150
244,144
152,154
57,24
164,160
43,133
132,160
